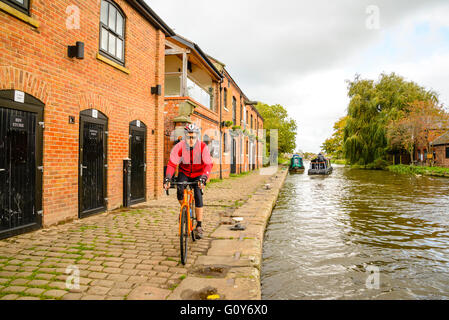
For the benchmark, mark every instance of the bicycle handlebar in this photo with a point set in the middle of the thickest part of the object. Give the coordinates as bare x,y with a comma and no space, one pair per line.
182,184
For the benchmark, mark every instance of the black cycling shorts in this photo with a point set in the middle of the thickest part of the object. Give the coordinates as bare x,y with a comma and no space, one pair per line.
197,191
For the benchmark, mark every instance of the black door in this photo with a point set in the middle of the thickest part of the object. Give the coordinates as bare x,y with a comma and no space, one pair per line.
92,195
234,157
253,156
18,206
137,152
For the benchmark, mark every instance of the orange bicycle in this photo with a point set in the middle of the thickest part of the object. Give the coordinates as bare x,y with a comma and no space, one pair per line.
186,217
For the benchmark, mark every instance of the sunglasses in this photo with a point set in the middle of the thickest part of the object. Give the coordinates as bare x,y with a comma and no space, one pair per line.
192,138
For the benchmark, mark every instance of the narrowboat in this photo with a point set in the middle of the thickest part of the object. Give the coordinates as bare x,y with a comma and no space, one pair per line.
296,164
320,166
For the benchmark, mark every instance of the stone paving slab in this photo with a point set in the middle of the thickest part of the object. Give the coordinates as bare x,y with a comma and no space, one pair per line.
123,254
194,288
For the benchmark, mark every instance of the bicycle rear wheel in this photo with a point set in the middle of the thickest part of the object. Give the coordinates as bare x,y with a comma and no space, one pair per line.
184,236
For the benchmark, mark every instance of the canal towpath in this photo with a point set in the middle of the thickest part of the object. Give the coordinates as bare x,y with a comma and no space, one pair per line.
133,254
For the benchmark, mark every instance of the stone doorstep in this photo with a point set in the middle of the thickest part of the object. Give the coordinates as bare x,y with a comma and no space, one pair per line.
227,289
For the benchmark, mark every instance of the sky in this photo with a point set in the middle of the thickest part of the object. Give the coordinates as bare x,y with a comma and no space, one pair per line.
301,53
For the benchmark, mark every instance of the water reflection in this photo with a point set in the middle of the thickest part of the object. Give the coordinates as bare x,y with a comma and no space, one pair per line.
325,231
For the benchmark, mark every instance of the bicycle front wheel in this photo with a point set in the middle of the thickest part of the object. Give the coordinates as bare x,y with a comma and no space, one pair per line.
193,219
184,236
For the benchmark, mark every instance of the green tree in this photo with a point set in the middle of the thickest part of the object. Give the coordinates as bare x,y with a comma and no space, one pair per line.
421,123
334,145
276,117
372,107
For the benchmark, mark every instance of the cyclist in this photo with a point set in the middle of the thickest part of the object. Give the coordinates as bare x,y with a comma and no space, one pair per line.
195,165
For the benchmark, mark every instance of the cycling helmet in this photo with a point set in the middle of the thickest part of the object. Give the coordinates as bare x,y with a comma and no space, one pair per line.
191,128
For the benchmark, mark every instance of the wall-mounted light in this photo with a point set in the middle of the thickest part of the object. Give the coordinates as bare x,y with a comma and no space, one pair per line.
157,90
76,51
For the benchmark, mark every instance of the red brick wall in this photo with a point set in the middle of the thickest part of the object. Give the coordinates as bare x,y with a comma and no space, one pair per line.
35,61
441,159
232,91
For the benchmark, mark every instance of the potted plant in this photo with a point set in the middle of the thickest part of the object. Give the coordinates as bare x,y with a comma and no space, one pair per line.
227,124
236,130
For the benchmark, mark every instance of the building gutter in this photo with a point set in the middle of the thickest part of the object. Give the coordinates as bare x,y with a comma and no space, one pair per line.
151,16
221,132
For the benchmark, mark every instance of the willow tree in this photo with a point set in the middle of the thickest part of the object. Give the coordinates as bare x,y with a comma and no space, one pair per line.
373,105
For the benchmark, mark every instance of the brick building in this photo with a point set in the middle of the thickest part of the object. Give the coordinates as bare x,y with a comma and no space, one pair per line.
441,149
66,124
199,90
241,141
191,96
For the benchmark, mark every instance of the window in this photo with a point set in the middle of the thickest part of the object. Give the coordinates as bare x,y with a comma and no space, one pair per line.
447,152
251,122
234,110
225,98
199,94
112,31
226,142
22,5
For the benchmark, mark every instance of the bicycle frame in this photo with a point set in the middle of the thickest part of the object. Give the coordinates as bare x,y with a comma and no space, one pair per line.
187,203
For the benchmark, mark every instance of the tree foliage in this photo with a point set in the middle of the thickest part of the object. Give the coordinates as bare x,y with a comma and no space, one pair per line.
334,145
372,107
276,117
418,125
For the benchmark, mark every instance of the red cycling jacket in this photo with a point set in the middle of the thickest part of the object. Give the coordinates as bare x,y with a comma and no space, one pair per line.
193,162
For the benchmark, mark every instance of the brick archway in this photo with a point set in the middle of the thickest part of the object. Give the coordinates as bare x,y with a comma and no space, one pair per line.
12,78
94,101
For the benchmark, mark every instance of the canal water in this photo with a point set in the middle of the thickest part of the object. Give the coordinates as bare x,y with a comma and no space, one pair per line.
358,234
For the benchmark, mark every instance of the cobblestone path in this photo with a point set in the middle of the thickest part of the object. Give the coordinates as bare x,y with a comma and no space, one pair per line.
116,252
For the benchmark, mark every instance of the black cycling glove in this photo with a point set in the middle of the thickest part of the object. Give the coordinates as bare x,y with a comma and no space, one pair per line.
203,179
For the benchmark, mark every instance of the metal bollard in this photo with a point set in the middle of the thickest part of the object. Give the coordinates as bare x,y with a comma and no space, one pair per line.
126,183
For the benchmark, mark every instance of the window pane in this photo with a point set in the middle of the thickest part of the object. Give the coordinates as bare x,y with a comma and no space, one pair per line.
119,24
104,12
112,17
119,49
104,39
112,44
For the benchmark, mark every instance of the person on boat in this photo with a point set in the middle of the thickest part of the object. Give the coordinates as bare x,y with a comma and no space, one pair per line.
321,158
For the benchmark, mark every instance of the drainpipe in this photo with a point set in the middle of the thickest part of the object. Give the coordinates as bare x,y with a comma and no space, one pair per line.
221,133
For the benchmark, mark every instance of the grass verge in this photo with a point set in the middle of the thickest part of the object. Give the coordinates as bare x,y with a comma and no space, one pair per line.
425,171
